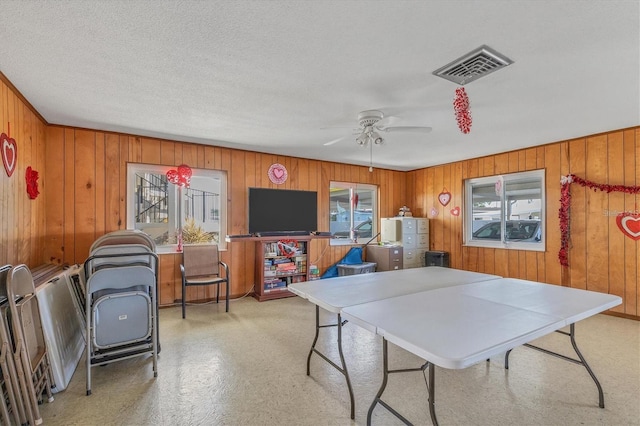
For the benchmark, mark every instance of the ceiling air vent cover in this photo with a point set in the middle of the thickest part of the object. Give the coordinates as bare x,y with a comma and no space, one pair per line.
473,65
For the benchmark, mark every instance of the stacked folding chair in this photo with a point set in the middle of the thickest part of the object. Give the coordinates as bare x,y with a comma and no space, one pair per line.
121,304
23,343
11,407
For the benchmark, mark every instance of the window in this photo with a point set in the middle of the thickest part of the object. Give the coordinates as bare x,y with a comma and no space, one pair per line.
164,210
352,212
506,211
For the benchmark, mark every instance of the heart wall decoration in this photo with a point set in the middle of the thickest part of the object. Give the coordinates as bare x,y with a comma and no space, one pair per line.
629,224
444,197
9,153
180,177
277,173
455,211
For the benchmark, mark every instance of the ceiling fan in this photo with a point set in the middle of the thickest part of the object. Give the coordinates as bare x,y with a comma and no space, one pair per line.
372,123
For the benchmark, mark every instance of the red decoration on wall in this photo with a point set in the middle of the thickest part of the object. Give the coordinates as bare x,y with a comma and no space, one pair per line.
629,223
462,110
181,177
31,176
455,211
9,150
444,197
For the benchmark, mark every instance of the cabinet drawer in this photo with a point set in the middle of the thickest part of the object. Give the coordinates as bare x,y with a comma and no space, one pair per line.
422,226
408,225
423,240
409,240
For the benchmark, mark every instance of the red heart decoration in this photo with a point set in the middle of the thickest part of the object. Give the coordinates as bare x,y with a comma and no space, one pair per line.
455,211
444,197
629,224
185,172
173,177
9,153
278,172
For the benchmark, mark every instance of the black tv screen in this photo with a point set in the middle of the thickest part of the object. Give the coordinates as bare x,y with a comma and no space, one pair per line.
282,210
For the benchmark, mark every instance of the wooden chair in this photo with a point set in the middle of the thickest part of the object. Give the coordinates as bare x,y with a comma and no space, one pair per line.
201,265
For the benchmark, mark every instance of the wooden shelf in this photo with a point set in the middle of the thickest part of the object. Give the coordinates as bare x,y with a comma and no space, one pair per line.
270,252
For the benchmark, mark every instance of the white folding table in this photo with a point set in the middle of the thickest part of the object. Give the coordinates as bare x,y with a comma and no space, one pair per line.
336,294
457,326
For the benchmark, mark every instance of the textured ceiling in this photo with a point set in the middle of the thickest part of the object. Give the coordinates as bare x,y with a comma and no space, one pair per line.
282,76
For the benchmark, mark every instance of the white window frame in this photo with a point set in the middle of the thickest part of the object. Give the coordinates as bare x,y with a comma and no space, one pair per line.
503,243
352,188
176,218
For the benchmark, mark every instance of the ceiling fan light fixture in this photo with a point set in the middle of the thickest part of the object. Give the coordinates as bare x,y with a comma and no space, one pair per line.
376,138
362,139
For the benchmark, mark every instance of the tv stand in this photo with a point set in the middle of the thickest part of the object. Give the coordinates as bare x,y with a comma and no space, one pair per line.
282,233
280,262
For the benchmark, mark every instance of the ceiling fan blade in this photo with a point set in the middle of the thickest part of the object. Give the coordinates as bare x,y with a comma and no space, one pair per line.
413,129
336,140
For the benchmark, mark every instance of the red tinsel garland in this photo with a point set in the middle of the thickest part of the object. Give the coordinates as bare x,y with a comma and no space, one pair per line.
461,108
565,204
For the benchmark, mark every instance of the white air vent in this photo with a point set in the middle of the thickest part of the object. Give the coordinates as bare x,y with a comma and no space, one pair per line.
473,65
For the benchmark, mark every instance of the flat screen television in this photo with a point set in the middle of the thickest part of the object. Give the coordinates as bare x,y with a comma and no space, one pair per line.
282,210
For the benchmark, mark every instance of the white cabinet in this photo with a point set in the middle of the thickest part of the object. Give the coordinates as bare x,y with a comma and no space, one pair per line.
412,233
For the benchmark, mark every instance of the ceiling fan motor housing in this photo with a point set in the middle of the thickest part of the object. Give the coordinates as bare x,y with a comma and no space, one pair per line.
369,118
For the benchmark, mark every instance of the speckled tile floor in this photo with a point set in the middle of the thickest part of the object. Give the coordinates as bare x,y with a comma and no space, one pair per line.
248,367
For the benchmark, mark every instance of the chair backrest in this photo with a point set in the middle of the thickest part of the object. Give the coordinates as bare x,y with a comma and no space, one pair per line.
200,260
124,236
20,282
119,278
120,255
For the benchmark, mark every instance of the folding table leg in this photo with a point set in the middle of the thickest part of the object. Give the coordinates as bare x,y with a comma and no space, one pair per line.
582,361
341,368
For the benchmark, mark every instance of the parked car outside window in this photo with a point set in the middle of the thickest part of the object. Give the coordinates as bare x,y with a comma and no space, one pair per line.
517,230
362,230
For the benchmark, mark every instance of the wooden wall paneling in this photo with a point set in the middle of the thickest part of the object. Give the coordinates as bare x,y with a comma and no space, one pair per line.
522,160
489,264
85,193
514,161
513,267
135,149
501,257
455,257
168,153
578,226
631,162
69,198
11,212
53,191
125,149
551,237
616,255
113,177
531,158
449,220
437,233
431,201
100,171
531,265
243,279
5,189
22,206
150,151
501,164
167,284
597,223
